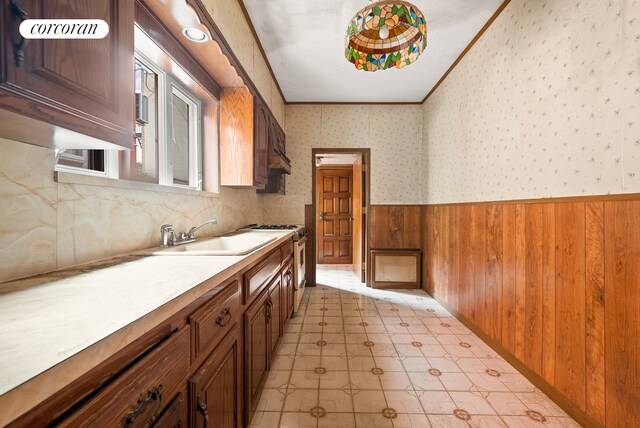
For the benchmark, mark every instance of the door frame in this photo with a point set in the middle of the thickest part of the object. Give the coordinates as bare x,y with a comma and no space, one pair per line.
366,191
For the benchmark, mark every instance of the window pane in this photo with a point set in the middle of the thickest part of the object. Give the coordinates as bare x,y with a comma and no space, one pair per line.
180,128
142,163
92,160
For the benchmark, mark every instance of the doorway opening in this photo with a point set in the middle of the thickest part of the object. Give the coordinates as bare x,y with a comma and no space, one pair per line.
339,210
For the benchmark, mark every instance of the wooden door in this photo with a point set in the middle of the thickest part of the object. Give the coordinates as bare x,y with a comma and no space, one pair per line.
334,196
216,388
256,351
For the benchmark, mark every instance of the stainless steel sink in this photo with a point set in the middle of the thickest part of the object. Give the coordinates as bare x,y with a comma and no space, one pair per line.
235,244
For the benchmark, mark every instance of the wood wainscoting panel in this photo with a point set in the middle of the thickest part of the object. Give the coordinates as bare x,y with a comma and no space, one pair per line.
595,315
555,283
493,282
570,302
622,312
508,309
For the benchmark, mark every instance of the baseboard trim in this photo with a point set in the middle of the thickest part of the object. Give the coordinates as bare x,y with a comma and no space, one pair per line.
580,416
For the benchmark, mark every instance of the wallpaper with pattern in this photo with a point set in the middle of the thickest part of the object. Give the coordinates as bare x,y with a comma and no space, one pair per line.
394,134
546,104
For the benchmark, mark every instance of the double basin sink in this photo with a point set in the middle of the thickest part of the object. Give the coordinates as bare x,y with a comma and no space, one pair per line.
232,244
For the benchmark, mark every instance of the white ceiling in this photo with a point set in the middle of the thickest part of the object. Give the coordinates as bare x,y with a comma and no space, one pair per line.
304,42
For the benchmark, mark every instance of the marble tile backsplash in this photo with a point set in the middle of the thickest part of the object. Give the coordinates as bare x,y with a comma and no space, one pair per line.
28,210
45,225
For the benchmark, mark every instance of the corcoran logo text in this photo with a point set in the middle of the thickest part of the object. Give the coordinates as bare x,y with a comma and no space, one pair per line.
64,29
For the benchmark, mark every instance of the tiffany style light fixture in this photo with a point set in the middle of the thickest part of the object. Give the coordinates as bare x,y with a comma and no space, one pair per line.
386,34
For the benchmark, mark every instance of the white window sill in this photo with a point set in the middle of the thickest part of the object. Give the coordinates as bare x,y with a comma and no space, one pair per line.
90,180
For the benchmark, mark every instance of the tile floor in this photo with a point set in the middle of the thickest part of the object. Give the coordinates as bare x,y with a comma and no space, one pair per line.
357,357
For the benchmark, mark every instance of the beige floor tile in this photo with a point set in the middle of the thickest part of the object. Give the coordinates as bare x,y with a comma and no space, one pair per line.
271,400
366,380
335,380
337,420
486,382
473,402
425,382
345,393
540,403
277,379
371,420
307,362
456,382
361,363
298,420
334,363
368,401
436,402
395,381
447,421
411,421
301,400
403,401
336,400
265,420
506,403
307,379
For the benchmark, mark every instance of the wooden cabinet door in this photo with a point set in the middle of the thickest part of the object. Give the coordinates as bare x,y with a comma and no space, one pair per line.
334,221
216,389
260,144
173,417
274,314
78,84
256,352
287,291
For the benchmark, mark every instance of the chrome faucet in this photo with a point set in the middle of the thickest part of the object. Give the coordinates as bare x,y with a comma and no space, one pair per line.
191,232
168,235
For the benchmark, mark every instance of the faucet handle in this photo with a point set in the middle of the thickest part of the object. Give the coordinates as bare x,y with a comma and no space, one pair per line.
168,234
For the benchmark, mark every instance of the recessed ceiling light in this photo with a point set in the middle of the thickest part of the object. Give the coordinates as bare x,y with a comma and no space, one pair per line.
195,35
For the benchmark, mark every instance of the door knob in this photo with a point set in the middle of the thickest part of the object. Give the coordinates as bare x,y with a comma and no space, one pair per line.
322,214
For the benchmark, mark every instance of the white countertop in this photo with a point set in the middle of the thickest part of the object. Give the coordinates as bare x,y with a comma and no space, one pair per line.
49,318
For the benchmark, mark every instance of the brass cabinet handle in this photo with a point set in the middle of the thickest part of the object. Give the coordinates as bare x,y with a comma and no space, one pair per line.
202,408
224,317
287,278
269,308
18,48
154,394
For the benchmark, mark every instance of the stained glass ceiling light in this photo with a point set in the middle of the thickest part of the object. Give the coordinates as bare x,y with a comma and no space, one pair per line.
386,34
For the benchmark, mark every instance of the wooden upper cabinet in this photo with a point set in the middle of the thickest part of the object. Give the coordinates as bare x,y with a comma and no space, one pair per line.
74,93
244,139
261,144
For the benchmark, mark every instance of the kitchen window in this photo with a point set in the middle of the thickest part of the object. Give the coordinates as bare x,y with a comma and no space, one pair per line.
174,116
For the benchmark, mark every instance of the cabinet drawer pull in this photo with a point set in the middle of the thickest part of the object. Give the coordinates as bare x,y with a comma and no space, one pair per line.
224,317
154,394
18,48
269,307
202,408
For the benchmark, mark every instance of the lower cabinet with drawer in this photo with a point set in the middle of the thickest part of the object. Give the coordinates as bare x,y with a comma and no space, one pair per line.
139,397
206,367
